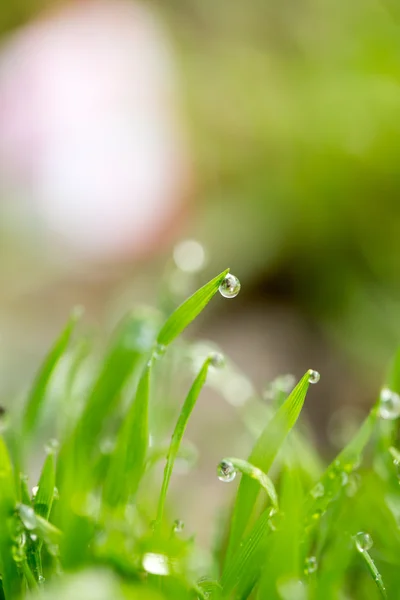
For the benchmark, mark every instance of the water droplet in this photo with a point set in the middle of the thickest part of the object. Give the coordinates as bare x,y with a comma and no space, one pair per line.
389,407
344,478
35,490
313,376
56,494
275,518
52,446
157,564
33,537
179,526
310,565
353,484
41,579
230,286
226,471
107,446
363,541
159,351
189,256
27,515
217,360
318,490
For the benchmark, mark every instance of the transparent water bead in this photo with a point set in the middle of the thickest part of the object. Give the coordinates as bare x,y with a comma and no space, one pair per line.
313,376
389,407
310,565
28,516
52,446
363,541
35,490
230,286
217,360
353,484
275,518
189,256
179,526
156,564
226,471
318,490
159,351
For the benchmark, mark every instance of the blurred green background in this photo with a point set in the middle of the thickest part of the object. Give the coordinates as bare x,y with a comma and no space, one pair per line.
285,116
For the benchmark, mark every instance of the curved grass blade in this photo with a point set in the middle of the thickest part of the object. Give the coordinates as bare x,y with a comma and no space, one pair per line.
262,457
38,392
128,460
179,431
189,310
11,580
251,471
372,568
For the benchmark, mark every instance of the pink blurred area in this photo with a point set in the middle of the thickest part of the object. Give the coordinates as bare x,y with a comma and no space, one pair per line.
91,143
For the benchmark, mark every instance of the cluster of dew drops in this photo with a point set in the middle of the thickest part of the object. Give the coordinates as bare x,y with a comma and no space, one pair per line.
25,527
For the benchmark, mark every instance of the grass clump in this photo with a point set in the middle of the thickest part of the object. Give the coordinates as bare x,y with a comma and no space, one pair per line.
94,527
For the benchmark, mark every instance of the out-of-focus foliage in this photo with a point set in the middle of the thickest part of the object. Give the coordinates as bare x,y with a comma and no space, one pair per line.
295,109
319,532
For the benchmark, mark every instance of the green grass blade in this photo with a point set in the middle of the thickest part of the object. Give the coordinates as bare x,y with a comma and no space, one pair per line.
251,471
49,533
252,546
43,499
189,310
179,431
25,496
30,579
128,460
11,580
42,503
38,393
372,568
262,457
282,560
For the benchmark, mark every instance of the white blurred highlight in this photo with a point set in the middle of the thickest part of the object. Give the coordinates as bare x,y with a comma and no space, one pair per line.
89,139
189,256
